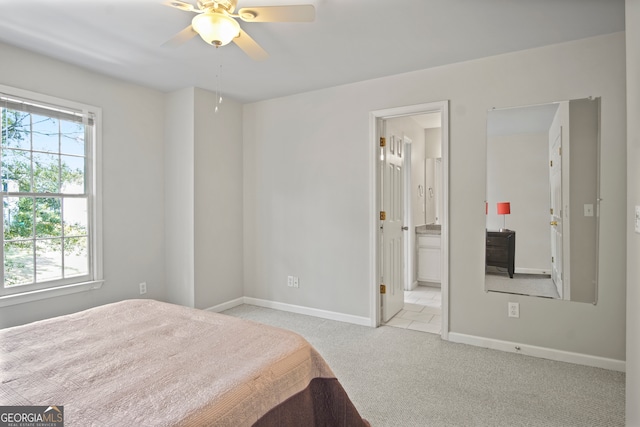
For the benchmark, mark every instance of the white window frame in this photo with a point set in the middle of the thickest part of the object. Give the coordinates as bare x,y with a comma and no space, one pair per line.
94,180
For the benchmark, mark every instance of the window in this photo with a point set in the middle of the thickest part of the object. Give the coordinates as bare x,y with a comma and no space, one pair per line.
49,188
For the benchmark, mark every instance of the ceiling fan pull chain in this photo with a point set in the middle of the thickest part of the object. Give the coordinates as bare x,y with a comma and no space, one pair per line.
218,94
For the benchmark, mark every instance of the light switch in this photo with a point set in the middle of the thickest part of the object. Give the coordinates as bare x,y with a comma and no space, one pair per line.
588,209
637,220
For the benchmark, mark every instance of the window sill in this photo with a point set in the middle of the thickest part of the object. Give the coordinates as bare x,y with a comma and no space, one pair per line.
41,294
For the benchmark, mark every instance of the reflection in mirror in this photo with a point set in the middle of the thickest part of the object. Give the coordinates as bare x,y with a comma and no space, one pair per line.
542,204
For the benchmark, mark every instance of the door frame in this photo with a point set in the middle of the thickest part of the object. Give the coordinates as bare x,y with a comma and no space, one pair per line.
389,113
408,215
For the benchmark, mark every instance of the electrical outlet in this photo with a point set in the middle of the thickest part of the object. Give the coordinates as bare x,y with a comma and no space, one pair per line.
290,281
514,309
143,288
296,282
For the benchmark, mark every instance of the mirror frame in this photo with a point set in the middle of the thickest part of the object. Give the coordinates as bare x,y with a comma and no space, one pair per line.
512,149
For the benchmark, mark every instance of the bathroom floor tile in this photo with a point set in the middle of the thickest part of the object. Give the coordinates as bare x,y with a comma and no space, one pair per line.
398,322
425,327
421,312
433,302
436,320
419,317
431,310
413,307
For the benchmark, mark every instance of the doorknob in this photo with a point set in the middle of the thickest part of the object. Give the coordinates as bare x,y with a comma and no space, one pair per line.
554,223
405,228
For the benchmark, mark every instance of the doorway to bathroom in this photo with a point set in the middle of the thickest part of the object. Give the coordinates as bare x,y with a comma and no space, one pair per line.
411,265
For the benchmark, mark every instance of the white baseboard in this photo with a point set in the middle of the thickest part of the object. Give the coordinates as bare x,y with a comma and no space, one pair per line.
529,350
412,286
226,305
324,314
532,271
436,285
315,312
542,352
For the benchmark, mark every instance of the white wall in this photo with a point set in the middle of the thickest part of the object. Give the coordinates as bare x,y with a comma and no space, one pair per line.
583,148
179,131
433,142
306,200
218,200
308,191
204,199
518,173
133,179
633,193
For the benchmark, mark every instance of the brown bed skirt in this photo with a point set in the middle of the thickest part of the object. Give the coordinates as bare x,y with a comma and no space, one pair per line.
324,403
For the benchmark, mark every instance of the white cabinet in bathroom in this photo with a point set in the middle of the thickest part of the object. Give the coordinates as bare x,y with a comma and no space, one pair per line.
429,258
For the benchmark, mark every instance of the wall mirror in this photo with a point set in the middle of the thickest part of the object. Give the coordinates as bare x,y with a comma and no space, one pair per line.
542,203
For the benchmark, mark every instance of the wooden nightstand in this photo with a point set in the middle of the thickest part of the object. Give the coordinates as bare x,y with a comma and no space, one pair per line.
501,249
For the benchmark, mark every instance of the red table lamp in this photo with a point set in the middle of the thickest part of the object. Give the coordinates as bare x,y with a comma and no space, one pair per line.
504,208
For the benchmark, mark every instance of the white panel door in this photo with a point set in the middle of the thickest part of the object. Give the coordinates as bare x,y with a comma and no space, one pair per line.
559,199
391,237
555,178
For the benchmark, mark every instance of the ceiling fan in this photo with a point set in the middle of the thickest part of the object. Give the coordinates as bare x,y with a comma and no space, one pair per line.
216,22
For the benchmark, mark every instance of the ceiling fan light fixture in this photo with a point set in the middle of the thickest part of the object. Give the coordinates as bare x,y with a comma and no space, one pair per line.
248,15
216,28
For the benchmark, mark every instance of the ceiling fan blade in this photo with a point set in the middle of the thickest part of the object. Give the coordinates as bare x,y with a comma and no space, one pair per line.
296,13
178,4
182,37
250,47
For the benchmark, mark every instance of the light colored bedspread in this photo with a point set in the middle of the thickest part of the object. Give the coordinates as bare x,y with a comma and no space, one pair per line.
148,363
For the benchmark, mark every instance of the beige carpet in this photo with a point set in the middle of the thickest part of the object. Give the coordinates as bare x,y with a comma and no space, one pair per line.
402,378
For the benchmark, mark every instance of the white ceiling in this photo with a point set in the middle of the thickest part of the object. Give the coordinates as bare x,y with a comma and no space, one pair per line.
350,40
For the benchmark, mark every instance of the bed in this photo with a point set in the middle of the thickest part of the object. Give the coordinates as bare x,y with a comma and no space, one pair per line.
149,363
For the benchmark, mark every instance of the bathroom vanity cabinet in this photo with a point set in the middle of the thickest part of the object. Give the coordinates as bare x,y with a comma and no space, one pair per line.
429,258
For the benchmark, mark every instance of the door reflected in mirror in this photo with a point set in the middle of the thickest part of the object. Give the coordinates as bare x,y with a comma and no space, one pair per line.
542,204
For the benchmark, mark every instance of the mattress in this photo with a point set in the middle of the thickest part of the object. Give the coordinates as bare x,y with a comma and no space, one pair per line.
149,363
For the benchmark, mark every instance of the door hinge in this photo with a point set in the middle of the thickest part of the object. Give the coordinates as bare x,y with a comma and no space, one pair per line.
383,288
383,141
551,163
552,260
551,210
383,215
560,151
